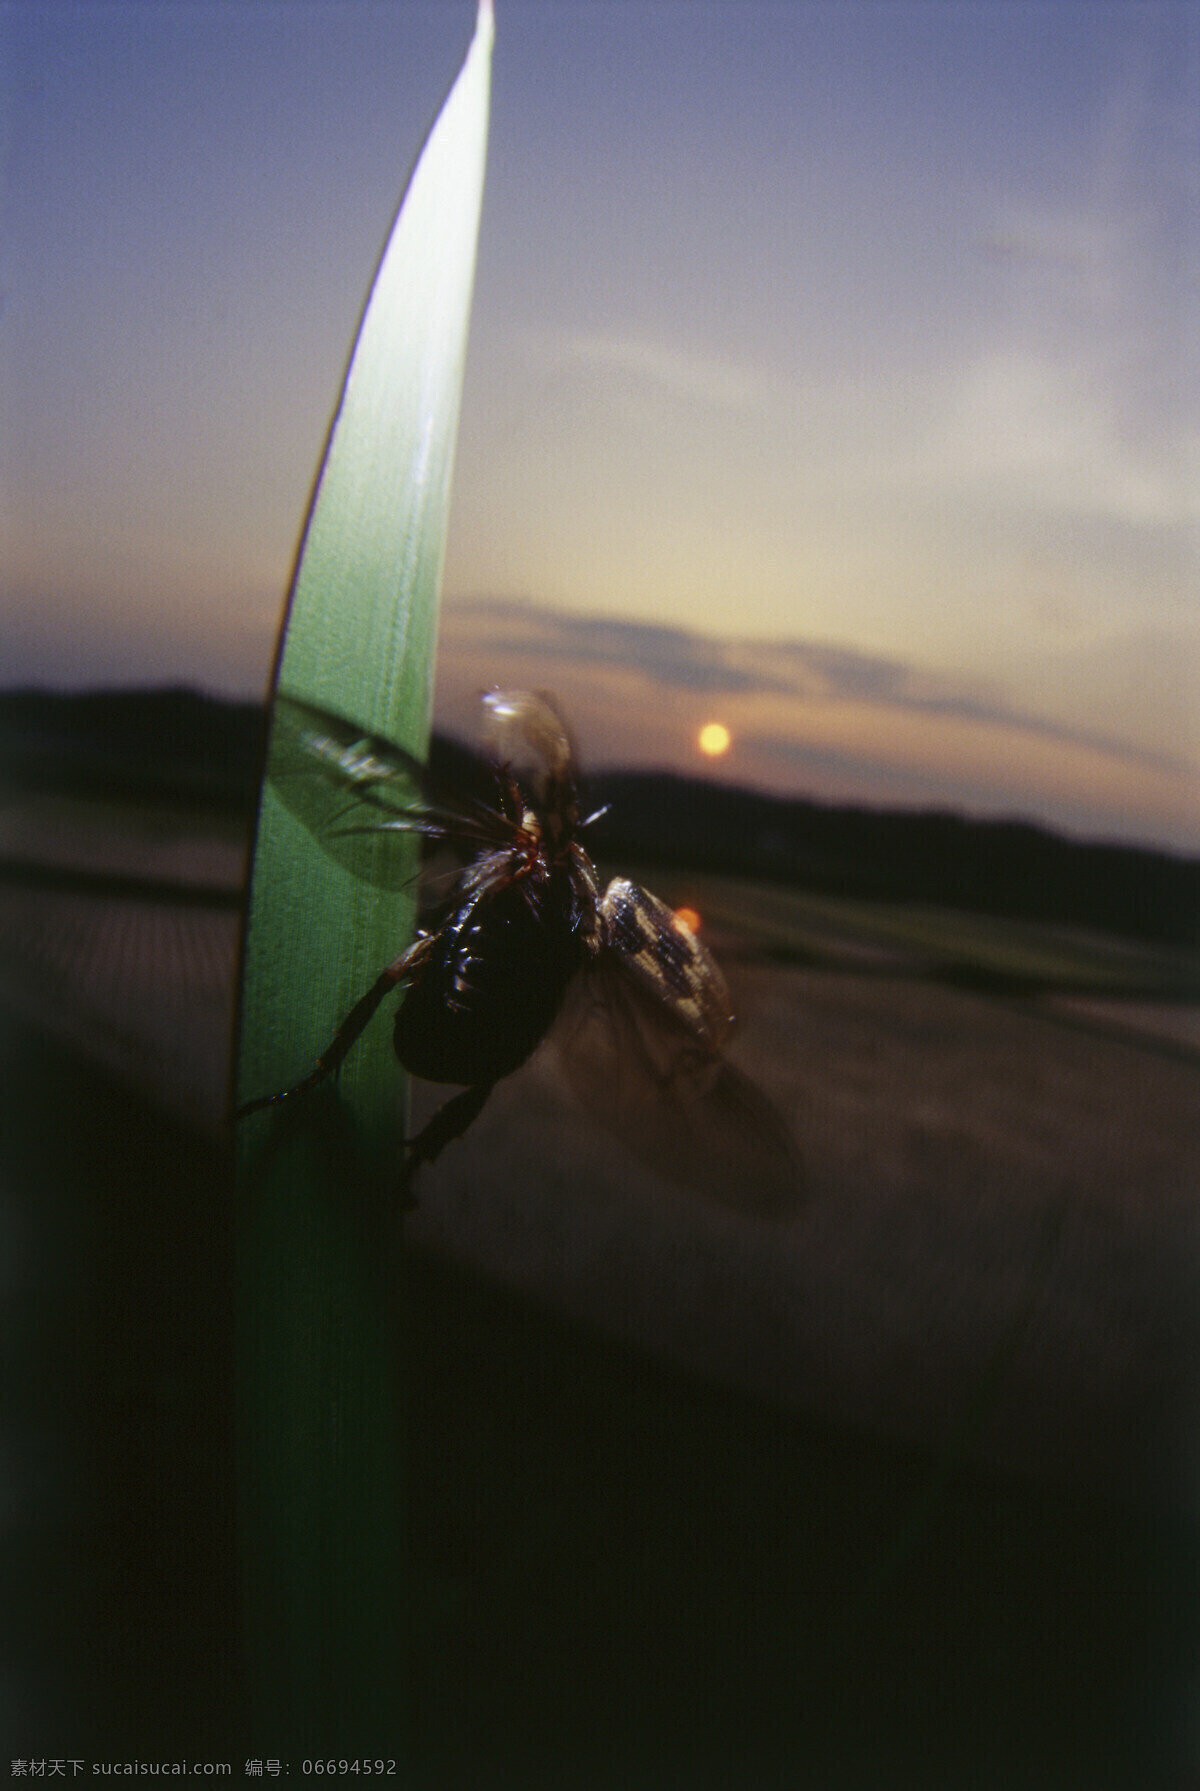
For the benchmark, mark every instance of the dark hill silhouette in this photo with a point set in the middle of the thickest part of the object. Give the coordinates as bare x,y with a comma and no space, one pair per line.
178,745
1007,867
173,743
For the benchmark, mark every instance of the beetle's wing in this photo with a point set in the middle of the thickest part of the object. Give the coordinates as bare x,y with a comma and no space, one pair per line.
527,724
524,729
351,788
667,959
640,1044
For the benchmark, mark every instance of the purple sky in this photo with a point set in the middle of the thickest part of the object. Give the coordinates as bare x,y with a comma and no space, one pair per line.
833,371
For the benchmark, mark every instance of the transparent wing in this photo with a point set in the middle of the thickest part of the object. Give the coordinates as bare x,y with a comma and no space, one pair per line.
640,1041
351,789
524,729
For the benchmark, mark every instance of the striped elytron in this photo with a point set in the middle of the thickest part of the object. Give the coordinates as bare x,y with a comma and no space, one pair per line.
527,938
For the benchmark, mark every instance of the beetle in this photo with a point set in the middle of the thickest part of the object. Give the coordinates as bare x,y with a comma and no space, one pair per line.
526,943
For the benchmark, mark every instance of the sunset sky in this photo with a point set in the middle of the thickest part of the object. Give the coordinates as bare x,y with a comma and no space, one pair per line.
833,372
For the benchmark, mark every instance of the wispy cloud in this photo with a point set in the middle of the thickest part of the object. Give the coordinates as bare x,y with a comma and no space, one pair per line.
685,374
1050,433
1064,239
813,718
551,645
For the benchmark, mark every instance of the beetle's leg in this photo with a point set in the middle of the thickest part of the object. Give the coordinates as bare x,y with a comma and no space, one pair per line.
351,1027
447,1124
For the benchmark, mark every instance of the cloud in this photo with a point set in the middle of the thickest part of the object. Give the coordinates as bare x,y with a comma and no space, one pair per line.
1064,239
664,655
550,645
813,718
1049,433
695,377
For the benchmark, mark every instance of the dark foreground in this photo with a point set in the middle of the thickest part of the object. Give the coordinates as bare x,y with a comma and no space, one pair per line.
623,1575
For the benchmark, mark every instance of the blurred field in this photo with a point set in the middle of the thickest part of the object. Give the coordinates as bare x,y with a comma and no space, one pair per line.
206,847
998,1120
118,936
984,1175
678,1493
979,950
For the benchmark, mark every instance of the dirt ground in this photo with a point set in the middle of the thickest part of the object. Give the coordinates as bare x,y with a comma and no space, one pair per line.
901,1491
992,1190
992,1182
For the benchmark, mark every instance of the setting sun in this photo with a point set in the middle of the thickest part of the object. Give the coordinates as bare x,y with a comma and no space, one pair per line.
713,739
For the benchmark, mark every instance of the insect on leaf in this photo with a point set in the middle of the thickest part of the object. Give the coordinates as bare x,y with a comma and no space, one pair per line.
525,944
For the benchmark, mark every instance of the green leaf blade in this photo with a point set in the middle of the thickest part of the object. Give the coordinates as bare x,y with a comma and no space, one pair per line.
362,618
319,1468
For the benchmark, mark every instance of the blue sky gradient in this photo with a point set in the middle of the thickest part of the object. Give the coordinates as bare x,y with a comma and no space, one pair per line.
833,371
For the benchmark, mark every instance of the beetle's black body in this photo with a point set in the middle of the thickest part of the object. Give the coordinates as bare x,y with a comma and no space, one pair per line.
527,926
492,985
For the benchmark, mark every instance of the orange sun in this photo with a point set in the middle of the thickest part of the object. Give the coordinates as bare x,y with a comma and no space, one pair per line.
713,739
